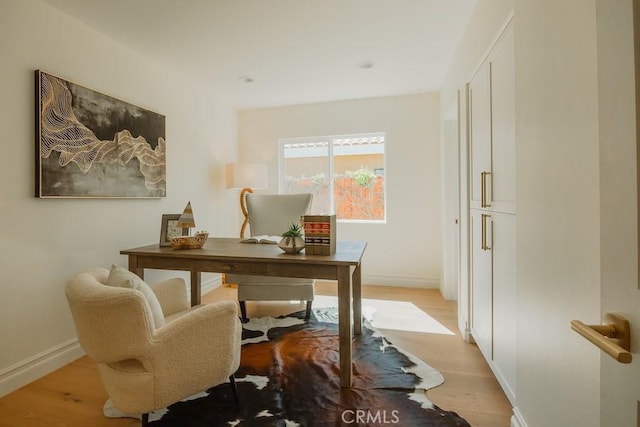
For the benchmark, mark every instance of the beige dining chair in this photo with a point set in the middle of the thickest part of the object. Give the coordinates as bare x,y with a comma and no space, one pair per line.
272,214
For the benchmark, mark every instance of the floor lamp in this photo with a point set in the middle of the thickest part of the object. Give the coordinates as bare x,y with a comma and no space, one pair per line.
247,177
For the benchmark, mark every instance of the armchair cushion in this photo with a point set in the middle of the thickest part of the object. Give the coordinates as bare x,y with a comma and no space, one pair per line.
172,295
122,278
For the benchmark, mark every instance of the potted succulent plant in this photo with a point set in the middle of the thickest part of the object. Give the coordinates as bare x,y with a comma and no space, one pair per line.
292,241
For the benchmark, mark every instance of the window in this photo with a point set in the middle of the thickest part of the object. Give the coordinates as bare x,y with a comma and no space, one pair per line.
355,163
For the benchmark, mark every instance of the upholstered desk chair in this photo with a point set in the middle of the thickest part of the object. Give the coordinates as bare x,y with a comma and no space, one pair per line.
151,348
272,214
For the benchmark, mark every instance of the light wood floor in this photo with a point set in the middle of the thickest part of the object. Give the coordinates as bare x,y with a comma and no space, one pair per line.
73,395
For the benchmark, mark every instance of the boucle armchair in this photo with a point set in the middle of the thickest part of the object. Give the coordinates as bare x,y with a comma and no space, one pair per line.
148,359
271,214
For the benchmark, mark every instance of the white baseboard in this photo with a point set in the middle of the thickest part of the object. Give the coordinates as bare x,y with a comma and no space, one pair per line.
517,420
210,285
407,282
35,367
206,286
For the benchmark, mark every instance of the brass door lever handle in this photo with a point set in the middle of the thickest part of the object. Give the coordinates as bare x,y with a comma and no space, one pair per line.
614,337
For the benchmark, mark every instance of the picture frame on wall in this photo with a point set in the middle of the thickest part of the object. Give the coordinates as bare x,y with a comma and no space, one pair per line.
91,145
169,230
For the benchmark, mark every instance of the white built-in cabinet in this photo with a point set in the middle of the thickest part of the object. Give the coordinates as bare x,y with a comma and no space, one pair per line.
492,210
481,324
492,130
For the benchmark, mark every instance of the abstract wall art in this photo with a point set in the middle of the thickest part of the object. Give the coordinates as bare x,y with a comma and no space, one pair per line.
90,145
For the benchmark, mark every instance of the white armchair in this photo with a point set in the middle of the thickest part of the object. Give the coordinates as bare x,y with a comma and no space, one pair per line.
149,360
271,214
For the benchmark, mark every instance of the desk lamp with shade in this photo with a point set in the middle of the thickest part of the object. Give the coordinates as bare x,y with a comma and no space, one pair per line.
247,177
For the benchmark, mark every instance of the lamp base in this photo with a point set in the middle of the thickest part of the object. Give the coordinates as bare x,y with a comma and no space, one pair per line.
243,208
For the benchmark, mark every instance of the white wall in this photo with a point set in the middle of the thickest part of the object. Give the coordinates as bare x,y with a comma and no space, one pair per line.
558,198
45,241
481,32
407,249
558,221
618,205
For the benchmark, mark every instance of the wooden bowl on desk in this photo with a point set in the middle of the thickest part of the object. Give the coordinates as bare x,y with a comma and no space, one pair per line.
190,242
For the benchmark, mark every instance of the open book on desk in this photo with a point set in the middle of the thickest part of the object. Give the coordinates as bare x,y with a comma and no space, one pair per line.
272,240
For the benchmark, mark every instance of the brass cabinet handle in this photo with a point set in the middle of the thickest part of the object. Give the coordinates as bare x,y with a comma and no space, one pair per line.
483,244
488,195
614,338
484,232
482,205
483,189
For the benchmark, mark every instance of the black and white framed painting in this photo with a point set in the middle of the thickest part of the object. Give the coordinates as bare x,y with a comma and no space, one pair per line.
89,144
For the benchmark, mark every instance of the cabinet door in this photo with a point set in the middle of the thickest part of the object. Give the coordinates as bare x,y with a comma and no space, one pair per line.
504,300
480,135
481,282
503,155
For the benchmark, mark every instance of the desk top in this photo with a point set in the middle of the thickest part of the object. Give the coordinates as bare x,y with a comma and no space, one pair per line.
231,249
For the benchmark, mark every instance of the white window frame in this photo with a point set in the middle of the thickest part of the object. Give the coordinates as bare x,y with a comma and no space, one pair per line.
331,139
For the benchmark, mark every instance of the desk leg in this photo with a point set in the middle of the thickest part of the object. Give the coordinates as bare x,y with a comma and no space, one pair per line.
357,301
344,324
196,288
133,266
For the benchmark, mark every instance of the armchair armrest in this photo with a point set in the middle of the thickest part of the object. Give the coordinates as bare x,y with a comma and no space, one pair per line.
172,295
205,340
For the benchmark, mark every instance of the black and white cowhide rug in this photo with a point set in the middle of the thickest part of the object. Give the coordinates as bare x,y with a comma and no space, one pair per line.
289,376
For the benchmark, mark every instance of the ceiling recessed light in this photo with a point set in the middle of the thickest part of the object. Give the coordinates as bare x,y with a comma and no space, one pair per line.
366,64
246,79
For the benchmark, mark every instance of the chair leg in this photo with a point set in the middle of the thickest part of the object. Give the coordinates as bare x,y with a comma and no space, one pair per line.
243,311
145,420
307,314
234,389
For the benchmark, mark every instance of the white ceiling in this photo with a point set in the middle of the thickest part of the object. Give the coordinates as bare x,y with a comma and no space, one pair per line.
296,51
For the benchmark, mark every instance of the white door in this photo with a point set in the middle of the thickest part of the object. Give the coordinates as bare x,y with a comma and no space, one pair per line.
481,281
503,133
503,248
450,197
480,136
619,383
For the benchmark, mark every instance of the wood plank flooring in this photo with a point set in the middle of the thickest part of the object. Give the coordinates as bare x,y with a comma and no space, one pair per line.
73,395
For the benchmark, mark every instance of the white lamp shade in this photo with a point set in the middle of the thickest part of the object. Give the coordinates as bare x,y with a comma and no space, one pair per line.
241,175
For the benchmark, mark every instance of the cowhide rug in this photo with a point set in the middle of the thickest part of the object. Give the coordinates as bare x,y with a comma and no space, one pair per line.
289,376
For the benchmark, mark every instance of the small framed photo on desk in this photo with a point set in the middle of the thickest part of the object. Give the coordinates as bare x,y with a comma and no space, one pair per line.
169,230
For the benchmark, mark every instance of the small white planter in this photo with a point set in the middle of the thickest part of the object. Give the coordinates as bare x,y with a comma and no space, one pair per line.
291,245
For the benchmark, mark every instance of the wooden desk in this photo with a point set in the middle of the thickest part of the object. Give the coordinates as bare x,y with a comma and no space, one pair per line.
226,255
